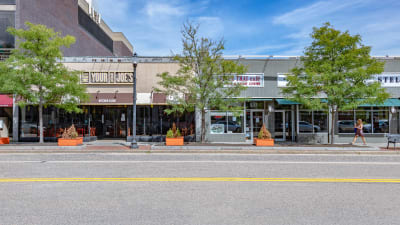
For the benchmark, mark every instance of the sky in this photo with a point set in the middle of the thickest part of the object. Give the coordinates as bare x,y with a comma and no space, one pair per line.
252,27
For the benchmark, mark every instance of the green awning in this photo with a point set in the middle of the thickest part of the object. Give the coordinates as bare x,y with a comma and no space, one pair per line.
286,102
389,102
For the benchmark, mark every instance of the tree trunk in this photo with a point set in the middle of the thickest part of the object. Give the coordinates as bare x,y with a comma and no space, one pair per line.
333,126
203,126
41,121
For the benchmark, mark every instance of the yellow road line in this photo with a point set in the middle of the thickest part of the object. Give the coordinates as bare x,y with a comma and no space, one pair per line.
200,179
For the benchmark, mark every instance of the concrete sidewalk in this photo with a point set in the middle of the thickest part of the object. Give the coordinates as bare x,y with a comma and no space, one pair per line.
241,148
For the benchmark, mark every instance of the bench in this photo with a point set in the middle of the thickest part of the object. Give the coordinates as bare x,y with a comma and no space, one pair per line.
393,138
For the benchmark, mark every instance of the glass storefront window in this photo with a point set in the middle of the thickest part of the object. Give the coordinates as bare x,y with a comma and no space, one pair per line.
320,121
365,116
306,123
235,123
380,122
29,122
345,121
218,122
226,122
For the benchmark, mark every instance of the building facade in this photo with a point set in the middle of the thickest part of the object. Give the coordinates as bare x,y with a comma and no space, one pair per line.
69,17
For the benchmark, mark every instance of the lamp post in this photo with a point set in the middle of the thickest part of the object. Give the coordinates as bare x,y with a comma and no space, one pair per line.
134,143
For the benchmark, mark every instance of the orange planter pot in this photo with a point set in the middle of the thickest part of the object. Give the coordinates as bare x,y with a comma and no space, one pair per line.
80,140
4,141
68,142
174,141
263,142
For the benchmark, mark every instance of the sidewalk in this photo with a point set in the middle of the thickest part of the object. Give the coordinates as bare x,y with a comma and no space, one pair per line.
121,146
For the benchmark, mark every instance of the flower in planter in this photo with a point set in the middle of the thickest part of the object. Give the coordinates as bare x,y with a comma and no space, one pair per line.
264,133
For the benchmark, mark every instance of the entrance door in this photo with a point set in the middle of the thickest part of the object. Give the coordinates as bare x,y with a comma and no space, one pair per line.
280,126
115,122
254,122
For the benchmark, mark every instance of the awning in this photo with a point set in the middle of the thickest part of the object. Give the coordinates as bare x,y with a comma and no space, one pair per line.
286,102
6,101
258,99
389,102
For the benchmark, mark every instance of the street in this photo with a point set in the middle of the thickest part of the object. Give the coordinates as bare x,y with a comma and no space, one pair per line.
137,188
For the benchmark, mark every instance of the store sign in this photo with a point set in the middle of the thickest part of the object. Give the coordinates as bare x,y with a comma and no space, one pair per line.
108,100
107,78
249,80
386,79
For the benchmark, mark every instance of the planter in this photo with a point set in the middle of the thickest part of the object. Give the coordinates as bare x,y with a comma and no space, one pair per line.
80,140
178,141
263,142
4,141
68,142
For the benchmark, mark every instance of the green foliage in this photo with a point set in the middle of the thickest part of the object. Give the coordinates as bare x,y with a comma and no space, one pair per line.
260,134
170,133
336,66
33,71
178,133
203,80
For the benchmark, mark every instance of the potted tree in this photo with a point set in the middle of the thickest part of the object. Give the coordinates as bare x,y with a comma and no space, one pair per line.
264,138
70,137
174,137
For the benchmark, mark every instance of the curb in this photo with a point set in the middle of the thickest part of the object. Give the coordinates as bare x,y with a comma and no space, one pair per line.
253,148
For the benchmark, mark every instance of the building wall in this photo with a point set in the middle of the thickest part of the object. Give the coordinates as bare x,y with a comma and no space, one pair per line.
62,16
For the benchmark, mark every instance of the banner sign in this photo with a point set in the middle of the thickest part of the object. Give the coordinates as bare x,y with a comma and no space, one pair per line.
107,78
386,79
249,80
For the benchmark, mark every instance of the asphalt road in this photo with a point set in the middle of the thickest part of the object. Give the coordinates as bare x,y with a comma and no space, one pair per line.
126,188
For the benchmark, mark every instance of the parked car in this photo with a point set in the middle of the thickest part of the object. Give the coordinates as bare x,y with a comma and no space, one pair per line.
305,126
346,126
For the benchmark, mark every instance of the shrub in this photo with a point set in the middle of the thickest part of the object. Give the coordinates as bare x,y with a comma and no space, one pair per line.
173,132
70,133
264,133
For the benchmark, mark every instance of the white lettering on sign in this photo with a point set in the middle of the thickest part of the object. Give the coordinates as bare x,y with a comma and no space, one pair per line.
107,100
107,78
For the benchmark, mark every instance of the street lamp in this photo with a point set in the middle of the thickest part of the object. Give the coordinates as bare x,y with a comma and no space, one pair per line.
134,142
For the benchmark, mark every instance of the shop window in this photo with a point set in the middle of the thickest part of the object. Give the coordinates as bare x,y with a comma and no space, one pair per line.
313,121
346,121
29,122
375,120
226,122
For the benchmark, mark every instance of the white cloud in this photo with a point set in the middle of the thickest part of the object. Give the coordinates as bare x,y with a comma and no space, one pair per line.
163,9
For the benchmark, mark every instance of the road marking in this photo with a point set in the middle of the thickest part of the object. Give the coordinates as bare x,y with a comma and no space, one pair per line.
201,179
199,161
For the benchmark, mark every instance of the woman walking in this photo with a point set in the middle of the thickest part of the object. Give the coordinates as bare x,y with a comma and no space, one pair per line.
359,132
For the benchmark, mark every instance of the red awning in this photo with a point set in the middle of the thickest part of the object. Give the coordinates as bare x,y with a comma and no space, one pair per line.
6,101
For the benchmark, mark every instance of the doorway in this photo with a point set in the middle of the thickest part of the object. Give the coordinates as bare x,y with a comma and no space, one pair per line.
254,122
283,125
114,122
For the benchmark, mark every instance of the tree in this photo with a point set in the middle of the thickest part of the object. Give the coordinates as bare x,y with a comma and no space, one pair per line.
204,79
33,71
338,67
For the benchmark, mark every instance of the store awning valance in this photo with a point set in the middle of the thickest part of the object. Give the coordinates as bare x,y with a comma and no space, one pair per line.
389,102
286,102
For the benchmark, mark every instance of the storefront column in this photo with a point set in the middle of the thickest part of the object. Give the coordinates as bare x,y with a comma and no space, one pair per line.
198,124
15,121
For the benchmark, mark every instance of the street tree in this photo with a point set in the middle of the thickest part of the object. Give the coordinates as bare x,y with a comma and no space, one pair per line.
339,68
204,79
34,74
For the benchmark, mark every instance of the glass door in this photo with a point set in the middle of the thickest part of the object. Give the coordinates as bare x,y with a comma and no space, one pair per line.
254,122
280,126
115,122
